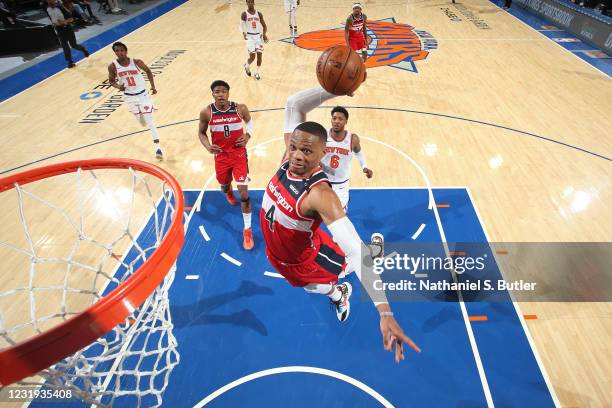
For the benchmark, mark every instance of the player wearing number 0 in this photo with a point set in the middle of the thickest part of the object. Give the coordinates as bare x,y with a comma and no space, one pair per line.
341,146
297,199
229,138
125,74
253,28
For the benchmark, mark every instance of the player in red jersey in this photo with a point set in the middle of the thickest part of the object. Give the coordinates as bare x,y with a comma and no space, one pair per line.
229,138
297,199
355,31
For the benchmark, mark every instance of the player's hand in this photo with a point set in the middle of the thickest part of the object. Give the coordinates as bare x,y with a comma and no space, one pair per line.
122,87
244,35
369,173
213,149
242,140
394,337
153,91
265,38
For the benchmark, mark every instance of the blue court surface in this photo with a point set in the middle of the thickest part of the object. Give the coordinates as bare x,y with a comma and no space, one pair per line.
234,319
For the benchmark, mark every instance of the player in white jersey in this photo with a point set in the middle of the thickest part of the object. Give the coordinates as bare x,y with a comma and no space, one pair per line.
341,146
253,28
291,10
125,74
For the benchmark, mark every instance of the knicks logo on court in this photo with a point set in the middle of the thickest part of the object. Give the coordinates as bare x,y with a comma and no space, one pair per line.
389,43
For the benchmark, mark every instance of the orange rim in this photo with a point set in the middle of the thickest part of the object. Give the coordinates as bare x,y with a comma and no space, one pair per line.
39,352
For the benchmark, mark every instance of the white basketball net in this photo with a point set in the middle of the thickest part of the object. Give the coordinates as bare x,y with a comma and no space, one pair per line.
69,241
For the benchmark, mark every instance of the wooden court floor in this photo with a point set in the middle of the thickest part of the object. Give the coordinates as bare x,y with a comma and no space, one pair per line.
503,110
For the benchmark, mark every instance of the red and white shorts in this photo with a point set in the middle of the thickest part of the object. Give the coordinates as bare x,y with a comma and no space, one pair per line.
326,266
358,43
232,164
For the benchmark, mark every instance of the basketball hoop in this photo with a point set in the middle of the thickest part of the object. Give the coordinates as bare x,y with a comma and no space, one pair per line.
120,315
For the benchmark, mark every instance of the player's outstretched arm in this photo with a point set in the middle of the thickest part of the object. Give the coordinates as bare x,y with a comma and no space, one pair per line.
356,146
146,69
323,201
203,128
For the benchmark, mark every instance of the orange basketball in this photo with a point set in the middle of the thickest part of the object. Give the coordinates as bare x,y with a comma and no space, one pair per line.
340,70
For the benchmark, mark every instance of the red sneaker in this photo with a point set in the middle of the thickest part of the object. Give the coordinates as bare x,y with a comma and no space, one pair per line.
247,242
231,198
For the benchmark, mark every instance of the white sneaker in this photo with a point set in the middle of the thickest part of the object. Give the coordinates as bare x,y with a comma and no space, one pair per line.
343,306
159,154
257,77
247,70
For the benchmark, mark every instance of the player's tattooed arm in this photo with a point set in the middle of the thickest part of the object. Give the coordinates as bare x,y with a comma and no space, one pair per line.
146,69
347,27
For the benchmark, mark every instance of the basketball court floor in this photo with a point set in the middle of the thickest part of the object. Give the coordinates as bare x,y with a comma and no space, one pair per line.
507,130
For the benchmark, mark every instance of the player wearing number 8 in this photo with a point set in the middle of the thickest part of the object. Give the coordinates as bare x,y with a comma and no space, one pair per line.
125,74
229,138
341,146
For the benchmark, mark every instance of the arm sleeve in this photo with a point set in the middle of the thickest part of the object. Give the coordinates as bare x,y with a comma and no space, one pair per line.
361,158
344,233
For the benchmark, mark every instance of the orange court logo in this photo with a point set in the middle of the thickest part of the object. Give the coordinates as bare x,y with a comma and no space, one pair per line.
390,43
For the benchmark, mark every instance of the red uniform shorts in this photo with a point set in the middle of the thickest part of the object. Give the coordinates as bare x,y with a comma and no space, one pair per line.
325,267
233,163
357,42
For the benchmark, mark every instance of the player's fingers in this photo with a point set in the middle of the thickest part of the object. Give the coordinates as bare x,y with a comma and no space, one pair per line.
387,341
399,352
405,339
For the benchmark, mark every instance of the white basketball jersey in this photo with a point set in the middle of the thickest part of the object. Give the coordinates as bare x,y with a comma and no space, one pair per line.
337,160
130,77
253,23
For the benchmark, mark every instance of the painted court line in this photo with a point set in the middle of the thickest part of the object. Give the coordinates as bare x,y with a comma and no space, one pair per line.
418,232
296,369
274,275
192,277
478,318
517,309
203,232
230,259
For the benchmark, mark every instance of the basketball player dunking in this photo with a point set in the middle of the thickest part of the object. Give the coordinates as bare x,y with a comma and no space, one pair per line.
341,146
297,199
253,28
355,31
228,145
125,74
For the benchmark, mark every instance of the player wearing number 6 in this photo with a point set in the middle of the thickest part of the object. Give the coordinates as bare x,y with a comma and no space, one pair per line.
341,146
125,74
229,138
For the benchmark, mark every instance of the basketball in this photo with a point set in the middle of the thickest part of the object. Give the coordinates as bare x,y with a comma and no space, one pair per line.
340,70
